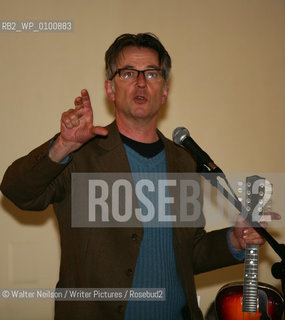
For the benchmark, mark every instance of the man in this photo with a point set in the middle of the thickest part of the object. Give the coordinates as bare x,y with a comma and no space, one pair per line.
137,68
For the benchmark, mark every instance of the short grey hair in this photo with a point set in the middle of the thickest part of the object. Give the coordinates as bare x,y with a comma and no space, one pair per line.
140,40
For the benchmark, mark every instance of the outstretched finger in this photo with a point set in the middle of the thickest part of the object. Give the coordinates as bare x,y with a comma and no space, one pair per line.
78,103
85,98
269,216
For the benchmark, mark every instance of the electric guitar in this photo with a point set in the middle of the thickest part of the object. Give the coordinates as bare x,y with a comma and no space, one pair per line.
250,299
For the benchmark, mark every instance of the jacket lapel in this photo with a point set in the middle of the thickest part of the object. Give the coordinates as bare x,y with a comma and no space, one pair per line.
114,155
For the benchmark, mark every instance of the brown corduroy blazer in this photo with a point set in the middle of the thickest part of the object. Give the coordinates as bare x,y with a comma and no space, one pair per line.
106,257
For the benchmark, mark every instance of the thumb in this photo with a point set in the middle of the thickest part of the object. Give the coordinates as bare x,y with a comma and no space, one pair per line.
97,130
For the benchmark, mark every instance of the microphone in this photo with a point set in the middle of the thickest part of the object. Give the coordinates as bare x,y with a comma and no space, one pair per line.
182,137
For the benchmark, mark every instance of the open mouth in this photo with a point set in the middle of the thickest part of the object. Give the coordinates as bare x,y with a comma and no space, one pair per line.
140,99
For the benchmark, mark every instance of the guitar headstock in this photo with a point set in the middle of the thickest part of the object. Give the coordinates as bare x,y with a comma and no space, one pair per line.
258,198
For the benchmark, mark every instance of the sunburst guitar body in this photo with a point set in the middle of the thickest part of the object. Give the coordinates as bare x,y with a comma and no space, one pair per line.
250,299
229,303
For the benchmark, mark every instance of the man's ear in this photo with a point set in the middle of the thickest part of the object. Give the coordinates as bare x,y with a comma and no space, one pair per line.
109,90
165,93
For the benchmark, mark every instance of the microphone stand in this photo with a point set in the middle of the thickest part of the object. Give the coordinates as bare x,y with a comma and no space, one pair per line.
278,268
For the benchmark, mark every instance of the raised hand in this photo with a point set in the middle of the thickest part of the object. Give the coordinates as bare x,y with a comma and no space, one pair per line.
76,128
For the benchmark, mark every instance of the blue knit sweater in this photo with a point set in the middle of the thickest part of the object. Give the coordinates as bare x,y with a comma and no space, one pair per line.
156,266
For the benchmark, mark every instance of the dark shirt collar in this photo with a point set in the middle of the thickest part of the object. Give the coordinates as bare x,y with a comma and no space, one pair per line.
147,150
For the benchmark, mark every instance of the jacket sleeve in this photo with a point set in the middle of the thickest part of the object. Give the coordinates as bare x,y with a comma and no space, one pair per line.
32,182
211,250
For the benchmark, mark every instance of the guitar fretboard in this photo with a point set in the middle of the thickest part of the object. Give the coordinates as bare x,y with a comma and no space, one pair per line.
250,278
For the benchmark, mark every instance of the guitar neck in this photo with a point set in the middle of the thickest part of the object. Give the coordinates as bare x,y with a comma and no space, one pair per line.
250,278
251,300
255,196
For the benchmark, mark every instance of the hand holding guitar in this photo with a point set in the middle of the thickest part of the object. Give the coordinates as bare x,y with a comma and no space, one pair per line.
243,233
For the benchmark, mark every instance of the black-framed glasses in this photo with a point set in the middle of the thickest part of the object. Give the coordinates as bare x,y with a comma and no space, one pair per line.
129,74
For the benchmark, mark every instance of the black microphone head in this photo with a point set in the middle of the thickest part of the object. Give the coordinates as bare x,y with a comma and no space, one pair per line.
179,134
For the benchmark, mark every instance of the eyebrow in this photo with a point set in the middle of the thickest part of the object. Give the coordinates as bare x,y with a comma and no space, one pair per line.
133,67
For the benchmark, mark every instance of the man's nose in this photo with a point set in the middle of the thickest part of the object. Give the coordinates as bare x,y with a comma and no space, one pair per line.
141,81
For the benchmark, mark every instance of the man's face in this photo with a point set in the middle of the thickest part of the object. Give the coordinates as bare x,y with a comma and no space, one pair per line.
139,99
